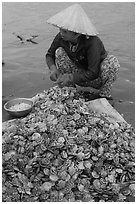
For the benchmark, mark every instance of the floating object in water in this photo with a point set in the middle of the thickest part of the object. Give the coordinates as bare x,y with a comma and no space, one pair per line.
24,39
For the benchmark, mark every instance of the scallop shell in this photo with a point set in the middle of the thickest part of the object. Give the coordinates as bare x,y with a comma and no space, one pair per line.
76,116
85,129
113,145
55,121
95,120
121,197
42,126
49,155
64,176
80,155
88,164
103,173
81,148
46,171
126,192
43,147
12,129
56,162
61,184
80,132
87,155
64,154
37,137
72,170
80,165
96,184
75,176
61,140
50,118
101,150
132,189
94,158
53,170
8,155
111,178
95,174
80,187
53,177
65,133
72,123
46,186
120,171
123,178
87,137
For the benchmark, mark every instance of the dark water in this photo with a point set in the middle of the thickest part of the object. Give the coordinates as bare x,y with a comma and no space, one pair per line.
25,72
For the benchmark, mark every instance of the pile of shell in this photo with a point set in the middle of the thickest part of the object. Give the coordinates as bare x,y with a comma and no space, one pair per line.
61,152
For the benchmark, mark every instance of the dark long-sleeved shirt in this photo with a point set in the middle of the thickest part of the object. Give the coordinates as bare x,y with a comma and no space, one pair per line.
87,57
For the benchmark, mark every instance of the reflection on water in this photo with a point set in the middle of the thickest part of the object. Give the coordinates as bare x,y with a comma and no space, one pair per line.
25,72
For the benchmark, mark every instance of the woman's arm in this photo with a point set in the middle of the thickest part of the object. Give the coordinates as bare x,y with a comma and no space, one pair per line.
50,56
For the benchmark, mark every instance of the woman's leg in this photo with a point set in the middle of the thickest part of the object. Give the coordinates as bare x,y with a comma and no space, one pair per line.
108,74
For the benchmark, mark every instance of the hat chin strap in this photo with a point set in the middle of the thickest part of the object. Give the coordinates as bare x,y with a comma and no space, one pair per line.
76,37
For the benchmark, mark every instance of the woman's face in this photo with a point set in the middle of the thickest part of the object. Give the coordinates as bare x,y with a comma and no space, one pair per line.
67,35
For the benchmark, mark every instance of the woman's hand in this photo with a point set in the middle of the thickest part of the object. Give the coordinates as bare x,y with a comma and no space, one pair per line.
65,80
54,73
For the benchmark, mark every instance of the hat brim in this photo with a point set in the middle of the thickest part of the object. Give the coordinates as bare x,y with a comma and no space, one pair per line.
73,30
74,19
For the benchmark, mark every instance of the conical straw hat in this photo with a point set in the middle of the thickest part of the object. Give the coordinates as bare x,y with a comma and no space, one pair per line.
74,19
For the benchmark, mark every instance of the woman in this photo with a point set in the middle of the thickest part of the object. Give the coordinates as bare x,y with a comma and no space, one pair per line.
77,55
